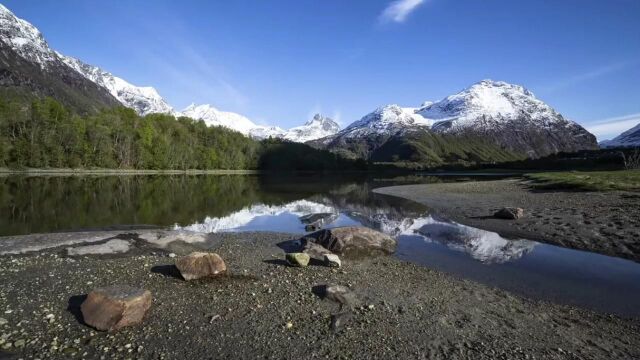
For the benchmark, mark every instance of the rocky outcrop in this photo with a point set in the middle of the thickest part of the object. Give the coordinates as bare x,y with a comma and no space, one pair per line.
112,308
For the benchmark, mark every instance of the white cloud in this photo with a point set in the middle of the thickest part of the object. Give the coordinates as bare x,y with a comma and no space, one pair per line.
397,11
609,128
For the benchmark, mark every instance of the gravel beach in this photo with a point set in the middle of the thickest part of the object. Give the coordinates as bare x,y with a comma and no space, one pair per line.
603,222
267,309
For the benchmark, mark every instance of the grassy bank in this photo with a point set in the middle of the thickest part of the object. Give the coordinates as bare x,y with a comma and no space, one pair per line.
628,180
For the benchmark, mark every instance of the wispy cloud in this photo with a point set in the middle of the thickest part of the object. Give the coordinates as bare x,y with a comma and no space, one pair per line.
587,76
612,127
398,11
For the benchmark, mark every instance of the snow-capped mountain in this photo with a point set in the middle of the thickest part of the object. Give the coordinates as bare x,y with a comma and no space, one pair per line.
214,117
387,120
495,100
318,127
144,100
29,66
506,115
629,138
25,39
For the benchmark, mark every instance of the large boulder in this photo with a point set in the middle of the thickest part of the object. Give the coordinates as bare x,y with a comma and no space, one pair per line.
353,240
200,265
112,308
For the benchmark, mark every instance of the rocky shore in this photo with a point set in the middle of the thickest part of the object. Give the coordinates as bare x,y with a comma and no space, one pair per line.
263,307
603,222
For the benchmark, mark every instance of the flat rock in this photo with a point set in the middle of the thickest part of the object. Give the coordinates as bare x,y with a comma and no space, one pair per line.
509,213
298,259
113,246
200,265
112,308
353,240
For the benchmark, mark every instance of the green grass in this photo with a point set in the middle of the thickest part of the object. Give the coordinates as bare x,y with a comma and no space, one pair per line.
628,180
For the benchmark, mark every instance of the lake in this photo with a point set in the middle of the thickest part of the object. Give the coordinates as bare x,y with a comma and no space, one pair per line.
216,203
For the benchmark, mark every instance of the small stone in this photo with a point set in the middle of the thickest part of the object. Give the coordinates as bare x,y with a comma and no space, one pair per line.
509,213
371,307
3,321
340,294
298,259
172,255
289,325
19,343
332,260
115,307
200,265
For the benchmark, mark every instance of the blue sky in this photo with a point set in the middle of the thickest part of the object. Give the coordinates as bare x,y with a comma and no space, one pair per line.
279,61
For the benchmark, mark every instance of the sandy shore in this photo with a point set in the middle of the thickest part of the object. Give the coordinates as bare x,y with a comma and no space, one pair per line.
404,311
603,222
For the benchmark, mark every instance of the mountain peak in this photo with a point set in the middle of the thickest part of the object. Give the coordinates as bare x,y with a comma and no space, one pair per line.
24,38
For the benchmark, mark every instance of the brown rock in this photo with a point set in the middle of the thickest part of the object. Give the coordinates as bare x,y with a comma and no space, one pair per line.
114,307
200,264
353,240
509,213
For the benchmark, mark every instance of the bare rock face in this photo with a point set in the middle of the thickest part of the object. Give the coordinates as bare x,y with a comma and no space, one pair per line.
200,265
353,240
112,308
509,213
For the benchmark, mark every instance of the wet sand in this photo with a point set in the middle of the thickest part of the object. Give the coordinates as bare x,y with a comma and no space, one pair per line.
404,311
603,222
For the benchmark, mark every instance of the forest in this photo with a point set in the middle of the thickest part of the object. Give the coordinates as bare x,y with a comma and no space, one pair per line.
42,133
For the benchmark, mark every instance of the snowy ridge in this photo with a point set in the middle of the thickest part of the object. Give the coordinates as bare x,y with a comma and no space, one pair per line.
318,127
144,100
386,120
25,39
488,99
629,138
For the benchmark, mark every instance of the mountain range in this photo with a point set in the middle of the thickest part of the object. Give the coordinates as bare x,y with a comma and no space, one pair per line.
489,121
629,138
29,65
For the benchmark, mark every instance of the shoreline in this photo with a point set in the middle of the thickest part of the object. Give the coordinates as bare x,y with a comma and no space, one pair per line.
62,171
244,315
603,222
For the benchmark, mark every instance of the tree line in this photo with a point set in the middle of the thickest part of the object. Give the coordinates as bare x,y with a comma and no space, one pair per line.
43,133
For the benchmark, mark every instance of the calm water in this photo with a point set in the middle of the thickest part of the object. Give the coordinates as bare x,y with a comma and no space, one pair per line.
258,203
